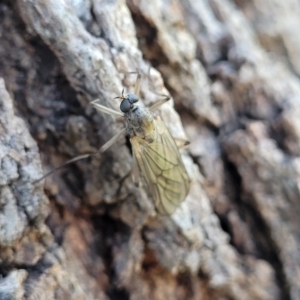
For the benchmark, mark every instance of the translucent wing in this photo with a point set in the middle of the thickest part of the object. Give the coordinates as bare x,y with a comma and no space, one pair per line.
162,167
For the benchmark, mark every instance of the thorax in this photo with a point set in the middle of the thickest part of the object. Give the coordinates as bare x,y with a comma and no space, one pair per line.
140,122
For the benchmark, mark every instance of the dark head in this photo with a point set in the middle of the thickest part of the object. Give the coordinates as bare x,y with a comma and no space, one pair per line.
127,102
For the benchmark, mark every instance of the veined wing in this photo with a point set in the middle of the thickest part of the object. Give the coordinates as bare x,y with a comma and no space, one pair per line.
162,167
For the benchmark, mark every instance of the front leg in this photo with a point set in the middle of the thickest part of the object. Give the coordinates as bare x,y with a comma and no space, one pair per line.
106,109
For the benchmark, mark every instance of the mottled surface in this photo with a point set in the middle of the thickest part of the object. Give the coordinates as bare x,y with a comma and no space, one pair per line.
93,234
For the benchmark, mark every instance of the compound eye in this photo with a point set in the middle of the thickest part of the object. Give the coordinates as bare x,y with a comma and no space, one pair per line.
125,106
132,98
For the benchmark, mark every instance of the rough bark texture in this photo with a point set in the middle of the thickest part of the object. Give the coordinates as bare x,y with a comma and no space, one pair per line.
87,232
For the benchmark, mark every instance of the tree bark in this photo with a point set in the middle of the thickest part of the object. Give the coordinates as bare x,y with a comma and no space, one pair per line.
87,232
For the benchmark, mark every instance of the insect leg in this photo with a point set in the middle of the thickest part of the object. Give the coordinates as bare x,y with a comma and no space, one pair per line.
159,103
137,87
135,172
106,109
63,165
110,142
181,143
83,156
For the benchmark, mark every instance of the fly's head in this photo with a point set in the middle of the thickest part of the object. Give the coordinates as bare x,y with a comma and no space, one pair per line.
139,121
128,102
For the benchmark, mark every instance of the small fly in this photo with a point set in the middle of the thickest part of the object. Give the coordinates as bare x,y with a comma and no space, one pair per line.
155,153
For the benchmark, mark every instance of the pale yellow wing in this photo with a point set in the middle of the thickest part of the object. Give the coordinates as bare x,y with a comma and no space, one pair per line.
162,167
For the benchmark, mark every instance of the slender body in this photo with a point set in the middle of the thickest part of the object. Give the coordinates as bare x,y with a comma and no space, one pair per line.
156,154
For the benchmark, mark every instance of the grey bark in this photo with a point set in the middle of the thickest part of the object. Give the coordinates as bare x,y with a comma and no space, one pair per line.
87,232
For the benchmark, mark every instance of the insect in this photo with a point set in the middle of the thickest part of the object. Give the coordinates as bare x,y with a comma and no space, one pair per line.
155,153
